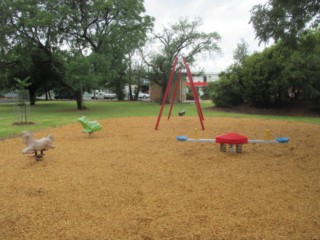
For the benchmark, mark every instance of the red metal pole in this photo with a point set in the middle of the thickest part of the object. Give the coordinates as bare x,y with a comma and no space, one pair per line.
194,92
196,99
166,92
174,93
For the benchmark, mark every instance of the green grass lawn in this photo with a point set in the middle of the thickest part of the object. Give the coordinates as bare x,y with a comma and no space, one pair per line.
56,113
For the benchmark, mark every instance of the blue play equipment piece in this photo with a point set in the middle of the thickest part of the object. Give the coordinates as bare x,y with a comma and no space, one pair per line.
89,126
282,140
182,138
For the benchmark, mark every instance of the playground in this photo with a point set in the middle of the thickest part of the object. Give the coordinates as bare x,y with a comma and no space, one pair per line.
129,181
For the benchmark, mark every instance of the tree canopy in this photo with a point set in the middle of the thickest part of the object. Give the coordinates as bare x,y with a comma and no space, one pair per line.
274,77
285,20
61,30
283,73
181,38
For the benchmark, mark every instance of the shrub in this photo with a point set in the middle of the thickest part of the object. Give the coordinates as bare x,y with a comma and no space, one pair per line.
226,92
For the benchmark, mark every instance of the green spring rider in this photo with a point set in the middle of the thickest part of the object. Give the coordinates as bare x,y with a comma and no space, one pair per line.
89,126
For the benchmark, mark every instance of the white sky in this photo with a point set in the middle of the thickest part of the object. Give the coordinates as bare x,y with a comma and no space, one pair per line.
229,18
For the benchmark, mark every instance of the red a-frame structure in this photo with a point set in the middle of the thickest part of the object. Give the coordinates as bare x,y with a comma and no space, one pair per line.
193,90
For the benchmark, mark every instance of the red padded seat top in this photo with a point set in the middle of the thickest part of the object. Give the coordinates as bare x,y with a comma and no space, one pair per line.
231,138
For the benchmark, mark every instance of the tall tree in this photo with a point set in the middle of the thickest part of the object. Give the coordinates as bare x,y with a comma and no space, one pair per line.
109,28
182,38
35,25
93,26
241,52
285,20
294,25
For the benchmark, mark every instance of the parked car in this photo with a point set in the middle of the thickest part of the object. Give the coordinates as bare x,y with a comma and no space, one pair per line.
98,95
104,95
110,96
143,95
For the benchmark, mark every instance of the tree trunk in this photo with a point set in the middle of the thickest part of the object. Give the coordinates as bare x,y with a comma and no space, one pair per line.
164,88
32,96
79,99
130,93
119,89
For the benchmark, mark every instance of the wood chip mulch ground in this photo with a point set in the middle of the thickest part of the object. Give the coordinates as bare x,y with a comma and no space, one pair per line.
132,182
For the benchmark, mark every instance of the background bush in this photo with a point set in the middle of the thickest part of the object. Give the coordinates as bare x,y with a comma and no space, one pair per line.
226,92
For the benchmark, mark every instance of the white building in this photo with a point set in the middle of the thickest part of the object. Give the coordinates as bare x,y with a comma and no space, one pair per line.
201,81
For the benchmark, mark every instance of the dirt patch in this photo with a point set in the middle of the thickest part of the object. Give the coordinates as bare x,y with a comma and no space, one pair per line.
132,182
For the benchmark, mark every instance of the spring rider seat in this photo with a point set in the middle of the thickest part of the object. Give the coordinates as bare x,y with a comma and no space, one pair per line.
89,126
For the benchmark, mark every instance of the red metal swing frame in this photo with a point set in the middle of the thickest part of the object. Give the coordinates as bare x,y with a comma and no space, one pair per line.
193,90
